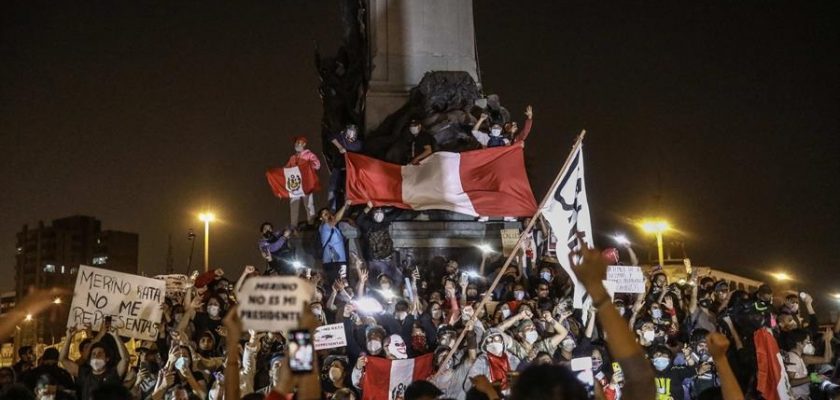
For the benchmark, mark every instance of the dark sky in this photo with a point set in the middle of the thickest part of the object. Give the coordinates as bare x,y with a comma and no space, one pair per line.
142,115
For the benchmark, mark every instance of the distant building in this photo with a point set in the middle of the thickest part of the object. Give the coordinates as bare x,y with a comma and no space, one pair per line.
50,255
7,302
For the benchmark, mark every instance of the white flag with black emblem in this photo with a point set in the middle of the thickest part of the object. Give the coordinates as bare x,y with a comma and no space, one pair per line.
567,211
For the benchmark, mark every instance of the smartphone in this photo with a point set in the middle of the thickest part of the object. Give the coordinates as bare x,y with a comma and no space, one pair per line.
342,273
301,351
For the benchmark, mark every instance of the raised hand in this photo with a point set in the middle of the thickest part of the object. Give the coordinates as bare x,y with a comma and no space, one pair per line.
529,112
718,343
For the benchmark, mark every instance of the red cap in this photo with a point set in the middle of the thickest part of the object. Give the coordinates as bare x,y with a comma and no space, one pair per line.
611,254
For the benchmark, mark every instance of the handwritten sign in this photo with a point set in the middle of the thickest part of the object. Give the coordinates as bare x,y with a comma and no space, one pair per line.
330,337
133,302
176,286
273,303
509,239
627,279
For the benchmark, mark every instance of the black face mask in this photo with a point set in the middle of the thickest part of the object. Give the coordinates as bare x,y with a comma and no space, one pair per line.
705,303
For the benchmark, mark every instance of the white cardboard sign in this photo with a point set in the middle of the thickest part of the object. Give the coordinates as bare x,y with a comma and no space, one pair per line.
273,303
627,279
132,301
330,337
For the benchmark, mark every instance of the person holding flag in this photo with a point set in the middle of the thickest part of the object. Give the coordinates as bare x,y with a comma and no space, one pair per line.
307,164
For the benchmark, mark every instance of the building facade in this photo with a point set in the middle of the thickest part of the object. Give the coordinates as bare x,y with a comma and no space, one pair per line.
50,255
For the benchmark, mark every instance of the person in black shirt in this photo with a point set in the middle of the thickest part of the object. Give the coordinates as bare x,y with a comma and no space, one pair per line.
49,366
413,146
669,377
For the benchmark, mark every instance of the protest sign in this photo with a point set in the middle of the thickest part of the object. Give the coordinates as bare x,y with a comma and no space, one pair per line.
176,286
330,337
273,303
626,279
132,301
509,239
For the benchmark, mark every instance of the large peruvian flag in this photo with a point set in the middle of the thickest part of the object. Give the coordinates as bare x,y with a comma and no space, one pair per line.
293,182
772,378
386,379
490,182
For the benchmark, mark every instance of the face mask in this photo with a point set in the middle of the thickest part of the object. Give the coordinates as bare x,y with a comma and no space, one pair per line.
660,363
597,364
97,364
351,135
546,276
414,130
620,310
505,313
397,349
794,308
705,303
531,337
374,346
47,397
436,314
495,349
182,363
568,345
657,313
385,286
496,131
401,315
648,335
299,148
808,349
213,311
418,342
519,295
317,312
378,217
335,374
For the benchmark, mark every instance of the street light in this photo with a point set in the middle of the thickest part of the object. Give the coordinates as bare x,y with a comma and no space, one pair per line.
781,276
657,227
621,240
485,248
57,300
206,218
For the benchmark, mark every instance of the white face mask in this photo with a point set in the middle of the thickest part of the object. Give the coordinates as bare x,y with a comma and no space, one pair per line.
505,313
213,311
496,131
97,364
648,335
620,310
436,314
374,346
378,217
519,295
568,345
531,337
546,276
351,134
396,348
299,147
657,313
401,315
414,130
808,349
335,374
495,349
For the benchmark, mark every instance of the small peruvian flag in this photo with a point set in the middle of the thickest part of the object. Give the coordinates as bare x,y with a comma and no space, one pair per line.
293,182
386,379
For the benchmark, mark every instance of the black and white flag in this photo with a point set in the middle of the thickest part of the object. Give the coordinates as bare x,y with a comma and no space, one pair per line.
567,211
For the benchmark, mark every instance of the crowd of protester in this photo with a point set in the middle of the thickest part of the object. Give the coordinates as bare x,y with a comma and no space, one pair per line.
696,338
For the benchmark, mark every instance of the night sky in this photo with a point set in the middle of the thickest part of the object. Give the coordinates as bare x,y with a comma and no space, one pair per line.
722,117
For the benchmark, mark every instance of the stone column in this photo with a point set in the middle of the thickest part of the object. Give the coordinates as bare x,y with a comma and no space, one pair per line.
408,38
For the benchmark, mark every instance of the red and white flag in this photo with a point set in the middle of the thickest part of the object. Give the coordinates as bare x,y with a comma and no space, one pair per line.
293,182
772,378
387,379
490,182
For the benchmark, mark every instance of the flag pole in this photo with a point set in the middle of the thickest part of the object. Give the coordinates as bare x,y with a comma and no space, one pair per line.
513,253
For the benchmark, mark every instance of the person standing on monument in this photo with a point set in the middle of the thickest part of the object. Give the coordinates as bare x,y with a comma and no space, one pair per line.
419,144
303,158
346,140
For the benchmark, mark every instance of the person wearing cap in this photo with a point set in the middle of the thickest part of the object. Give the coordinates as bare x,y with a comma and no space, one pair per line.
303,158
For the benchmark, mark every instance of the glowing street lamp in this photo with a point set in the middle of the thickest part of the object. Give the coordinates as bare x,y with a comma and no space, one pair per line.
657,227
57,300
836,296
28,317
207,218
781,276
485,248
